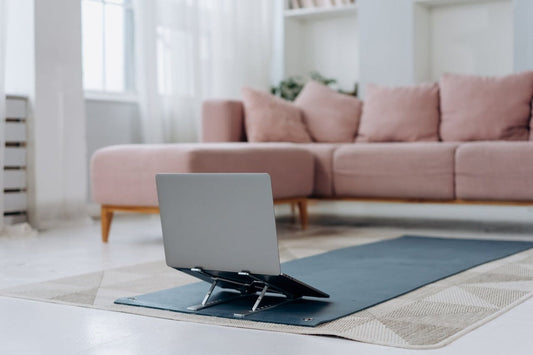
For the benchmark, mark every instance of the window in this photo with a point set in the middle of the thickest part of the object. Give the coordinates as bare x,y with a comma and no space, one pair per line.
108,50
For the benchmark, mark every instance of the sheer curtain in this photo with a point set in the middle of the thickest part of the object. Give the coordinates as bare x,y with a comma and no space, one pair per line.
3,18
190,50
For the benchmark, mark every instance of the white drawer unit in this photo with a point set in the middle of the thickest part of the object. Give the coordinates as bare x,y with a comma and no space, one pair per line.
15,202
15,157
15,179
15,182
15,132
15,218
16,107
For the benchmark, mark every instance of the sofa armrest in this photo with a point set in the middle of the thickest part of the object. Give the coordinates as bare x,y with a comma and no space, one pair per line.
223,121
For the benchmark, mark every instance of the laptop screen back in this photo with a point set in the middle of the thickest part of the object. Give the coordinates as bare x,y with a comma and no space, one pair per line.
222,222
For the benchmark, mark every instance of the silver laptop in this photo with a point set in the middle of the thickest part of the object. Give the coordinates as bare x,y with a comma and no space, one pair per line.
220,228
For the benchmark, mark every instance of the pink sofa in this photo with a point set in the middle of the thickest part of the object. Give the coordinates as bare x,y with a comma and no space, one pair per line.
484,169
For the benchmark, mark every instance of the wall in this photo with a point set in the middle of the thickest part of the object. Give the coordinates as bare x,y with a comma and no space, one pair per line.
277,72
20,63
386,42
394,42
523,35
109,123
475,38
422,44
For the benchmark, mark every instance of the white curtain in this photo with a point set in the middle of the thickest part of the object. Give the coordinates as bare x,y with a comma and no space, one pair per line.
3,19
190,50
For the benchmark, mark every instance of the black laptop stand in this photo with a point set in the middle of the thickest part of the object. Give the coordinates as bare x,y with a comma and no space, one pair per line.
249,284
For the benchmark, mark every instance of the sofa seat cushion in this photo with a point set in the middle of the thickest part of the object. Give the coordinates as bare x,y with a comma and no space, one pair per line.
495,171
421,170
125,174
323,179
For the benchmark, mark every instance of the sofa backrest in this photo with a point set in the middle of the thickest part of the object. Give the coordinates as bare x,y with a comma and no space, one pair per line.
223,121
472,108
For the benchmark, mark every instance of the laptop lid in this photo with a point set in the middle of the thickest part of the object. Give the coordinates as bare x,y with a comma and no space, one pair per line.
221,222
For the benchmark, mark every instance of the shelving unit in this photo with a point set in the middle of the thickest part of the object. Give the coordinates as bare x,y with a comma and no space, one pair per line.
382,42
468,36
15,176
311,13
432,3
321,38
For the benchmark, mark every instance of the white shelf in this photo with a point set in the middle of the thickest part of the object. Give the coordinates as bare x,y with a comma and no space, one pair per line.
433,3
311,13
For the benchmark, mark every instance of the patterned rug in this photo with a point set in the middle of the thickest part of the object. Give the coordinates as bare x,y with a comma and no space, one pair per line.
429,317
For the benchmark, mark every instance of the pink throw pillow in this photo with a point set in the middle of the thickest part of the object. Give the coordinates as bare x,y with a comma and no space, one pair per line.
531,123
269,118
478,108
329,116
400,114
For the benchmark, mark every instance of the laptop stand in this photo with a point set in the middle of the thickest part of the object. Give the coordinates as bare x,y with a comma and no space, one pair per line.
247,284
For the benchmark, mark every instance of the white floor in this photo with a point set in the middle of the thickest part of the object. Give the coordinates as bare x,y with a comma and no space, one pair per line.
28,327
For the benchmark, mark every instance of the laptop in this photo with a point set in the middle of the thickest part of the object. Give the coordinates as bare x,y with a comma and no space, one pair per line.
221,229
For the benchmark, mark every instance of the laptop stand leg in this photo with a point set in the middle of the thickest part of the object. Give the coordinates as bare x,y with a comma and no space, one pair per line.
208,294
260,298
256,308
247,289
205,303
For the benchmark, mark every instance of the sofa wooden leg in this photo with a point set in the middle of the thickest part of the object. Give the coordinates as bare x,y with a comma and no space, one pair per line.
106,219
302,210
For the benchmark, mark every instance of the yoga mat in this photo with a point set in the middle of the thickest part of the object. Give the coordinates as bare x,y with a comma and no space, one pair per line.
355,278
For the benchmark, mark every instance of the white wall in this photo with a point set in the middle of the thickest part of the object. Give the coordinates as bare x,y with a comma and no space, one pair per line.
422,44
110,123
523,35
60,161
386,42
277,72
20,63
474,38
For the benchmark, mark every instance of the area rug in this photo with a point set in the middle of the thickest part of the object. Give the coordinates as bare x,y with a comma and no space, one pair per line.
429,317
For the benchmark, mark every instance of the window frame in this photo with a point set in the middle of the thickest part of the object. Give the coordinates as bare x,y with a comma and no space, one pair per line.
130,93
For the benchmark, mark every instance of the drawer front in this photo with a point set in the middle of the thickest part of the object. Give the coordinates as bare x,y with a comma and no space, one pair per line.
15,132
14,219
14,179
16,108
15,156
15,201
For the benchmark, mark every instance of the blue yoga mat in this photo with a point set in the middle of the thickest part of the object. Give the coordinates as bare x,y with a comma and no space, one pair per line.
355,278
